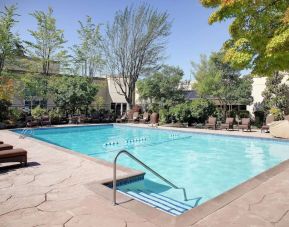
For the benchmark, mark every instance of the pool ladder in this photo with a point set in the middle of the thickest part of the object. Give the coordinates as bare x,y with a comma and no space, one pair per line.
25,132
145,166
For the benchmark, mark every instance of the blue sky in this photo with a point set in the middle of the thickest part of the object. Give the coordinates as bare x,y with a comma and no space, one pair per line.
190,35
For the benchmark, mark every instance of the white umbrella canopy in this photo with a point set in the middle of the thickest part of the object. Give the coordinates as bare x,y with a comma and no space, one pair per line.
280,129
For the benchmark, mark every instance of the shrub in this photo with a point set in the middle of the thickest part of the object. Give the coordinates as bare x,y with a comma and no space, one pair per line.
182,112
201,109
38,112
164,116
4,109
15,114
277,113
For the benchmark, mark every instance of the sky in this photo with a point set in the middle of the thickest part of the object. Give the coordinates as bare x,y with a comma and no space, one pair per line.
191,35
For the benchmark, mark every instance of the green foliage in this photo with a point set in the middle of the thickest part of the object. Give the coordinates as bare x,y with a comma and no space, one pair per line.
9,42
4,109
162,87
164,115
217,79
259,33
15,114
72,93
87,55
181,112
277,113
47,50
201,109
276,94
38,112
134,45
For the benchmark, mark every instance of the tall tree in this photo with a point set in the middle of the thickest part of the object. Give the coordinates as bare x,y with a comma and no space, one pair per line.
9,42
87,54
48,46
218,80
162,86
259,33
134,45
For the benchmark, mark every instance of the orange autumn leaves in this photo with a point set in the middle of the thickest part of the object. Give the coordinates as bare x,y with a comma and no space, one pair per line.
6,88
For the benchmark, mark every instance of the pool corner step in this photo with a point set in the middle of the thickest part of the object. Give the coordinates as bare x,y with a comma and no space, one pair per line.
160,202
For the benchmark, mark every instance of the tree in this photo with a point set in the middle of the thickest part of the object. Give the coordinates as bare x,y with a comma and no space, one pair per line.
259,33
32,87
87,55
134,45
162,87
9,42
276,95
72,93
218,80
47,50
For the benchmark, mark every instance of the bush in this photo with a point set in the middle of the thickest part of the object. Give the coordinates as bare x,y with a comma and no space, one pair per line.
38,112
201,109
164,116
259,118
277,113
182,112
4,110
15,114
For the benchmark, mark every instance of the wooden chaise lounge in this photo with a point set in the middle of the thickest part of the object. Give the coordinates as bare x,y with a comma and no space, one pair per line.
14,155
146,118
211,123
229,124
269,120
5,147
245,124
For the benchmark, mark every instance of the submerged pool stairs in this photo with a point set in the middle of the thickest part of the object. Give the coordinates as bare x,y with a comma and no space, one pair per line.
158,201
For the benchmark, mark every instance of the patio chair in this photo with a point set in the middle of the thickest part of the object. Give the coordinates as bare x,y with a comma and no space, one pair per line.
269,120
286,117
145,118
154,119
31,122
245,124
5,147
14,155
135,117
211,123
122,119
229,124
45,121
95,118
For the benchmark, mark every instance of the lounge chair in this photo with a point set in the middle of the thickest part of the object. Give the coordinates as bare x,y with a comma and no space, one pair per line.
145,118
122,119
286,117
245,124
135,117
154,119
211,123
229,124
5,147
31,122
13,155
269,120
45,121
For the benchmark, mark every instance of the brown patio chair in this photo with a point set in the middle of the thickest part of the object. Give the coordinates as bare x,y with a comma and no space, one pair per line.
245,124
122,119
154,119
229,124
211,123
45,121
14,155
5,147
145,118
269,120
134,117
31,122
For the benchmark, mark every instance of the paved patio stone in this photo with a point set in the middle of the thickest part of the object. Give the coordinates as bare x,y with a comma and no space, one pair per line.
53,191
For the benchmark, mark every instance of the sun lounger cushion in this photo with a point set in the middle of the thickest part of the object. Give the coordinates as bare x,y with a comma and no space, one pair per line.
5,147
14,155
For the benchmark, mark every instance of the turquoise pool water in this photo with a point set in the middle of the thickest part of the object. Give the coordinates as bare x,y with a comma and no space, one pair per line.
206,165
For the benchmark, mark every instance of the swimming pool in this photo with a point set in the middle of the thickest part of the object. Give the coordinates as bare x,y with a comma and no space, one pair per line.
206,165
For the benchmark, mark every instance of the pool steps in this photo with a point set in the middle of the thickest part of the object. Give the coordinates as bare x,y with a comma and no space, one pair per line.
158,201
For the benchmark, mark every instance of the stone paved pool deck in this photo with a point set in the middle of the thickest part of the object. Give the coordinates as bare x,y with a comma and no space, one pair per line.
54,191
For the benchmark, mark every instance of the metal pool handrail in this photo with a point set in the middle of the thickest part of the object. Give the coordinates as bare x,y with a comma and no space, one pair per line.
145,166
